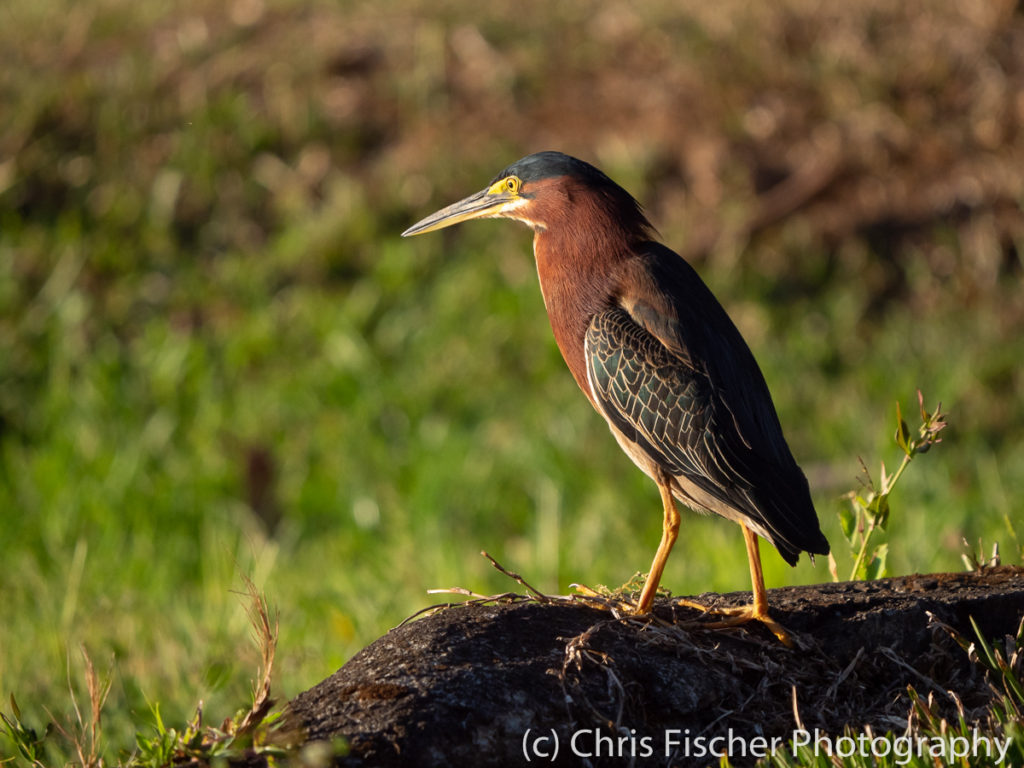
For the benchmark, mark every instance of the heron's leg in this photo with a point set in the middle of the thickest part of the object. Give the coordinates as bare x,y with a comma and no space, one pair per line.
669,533
758,609
760,594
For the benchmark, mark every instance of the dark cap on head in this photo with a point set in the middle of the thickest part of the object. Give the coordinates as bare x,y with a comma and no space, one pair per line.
546,165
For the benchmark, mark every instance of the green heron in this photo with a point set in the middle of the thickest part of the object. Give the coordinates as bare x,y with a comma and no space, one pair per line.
658,358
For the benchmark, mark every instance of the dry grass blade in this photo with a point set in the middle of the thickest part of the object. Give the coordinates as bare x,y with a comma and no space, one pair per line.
86,736
98,691
796,711
265,631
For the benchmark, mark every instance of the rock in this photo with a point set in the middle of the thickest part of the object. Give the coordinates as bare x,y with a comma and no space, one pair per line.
475,684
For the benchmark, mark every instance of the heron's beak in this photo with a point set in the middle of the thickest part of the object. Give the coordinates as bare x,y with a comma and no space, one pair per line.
485,203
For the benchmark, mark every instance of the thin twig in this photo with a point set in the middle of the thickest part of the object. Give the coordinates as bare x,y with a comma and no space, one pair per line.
516,577
834,688
894,657
508,597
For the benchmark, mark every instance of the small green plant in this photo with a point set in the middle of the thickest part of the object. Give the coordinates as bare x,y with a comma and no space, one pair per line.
251,731
976,560
31,745
1004,665
82,731
868,510
255,730
930,739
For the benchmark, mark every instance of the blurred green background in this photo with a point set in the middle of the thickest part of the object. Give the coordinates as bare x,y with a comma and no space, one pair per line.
217,357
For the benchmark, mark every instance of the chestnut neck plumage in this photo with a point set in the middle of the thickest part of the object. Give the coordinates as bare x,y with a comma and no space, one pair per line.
582,239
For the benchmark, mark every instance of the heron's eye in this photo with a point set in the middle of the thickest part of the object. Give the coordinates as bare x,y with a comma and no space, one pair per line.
512,184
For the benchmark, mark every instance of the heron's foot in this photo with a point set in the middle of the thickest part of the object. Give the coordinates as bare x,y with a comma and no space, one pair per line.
735,616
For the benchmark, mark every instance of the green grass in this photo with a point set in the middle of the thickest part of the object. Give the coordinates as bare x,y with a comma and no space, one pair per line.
218,359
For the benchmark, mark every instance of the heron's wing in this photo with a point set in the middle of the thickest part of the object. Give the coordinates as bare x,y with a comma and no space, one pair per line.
671,373
659,400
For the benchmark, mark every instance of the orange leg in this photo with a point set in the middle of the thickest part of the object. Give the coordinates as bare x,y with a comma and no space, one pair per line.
758,609
760,595
669,534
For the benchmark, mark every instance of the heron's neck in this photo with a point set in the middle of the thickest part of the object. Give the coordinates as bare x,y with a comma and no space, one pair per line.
578,279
